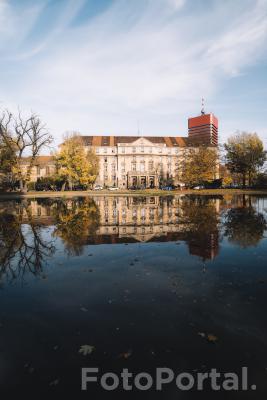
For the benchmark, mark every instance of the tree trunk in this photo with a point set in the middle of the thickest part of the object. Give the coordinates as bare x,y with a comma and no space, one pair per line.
63,187
244,181
70,184
249,178
21,186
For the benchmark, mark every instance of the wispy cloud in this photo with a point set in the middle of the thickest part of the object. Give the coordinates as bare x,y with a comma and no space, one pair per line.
147,60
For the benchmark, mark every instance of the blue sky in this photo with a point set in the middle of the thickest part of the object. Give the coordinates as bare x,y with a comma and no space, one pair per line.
100,66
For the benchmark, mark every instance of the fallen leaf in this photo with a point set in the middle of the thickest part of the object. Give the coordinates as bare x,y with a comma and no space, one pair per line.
54,383
86,349
212,338
126,355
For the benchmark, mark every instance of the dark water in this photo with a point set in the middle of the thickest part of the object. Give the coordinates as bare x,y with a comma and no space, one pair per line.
177,282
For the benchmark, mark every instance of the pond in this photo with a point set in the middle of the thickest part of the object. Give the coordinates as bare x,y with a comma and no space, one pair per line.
132,282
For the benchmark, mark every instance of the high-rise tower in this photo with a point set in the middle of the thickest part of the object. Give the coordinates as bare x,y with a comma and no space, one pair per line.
203,129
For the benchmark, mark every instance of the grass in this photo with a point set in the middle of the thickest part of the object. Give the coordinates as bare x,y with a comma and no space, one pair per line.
147,192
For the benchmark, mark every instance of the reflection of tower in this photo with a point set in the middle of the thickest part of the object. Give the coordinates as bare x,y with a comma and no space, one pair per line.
204,128
205,246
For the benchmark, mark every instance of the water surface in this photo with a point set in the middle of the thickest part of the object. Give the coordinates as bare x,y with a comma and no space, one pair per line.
144,280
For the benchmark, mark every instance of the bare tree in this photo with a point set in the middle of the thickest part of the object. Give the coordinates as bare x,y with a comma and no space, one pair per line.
23,138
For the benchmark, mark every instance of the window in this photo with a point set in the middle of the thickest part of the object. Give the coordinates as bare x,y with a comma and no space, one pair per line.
105,150
150,165
150,149
134,149
142,149
105,167
133,166
113,167
160,150
176,151
142,166
105,159
38,170
47,170
114,177
97,150
123,149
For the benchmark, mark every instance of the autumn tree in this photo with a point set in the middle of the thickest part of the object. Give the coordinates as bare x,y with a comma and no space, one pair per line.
93,161
200,165
22,137
245,155
74,164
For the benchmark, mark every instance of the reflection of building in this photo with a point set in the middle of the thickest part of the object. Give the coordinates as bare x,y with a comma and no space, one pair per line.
134,219
205,246
126,161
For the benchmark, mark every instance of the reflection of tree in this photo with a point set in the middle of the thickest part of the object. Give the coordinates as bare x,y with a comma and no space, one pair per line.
199,215
22,247
76,221
199,219
244,226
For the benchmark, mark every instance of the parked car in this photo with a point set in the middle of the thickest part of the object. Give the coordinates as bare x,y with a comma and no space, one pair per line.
98,187
113,188
166,188
199,187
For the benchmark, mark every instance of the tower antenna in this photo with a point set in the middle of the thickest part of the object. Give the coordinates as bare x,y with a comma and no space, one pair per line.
138,128
202,106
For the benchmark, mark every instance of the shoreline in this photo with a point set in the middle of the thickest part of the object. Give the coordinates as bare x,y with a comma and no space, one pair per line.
144,193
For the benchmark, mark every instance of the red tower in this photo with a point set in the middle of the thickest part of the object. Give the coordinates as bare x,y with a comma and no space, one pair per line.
203,129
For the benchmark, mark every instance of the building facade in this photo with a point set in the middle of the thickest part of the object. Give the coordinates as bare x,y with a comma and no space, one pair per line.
140,161
148,161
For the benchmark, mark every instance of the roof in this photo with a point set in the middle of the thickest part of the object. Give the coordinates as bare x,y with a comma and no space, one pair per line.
169,141
205,119
39,160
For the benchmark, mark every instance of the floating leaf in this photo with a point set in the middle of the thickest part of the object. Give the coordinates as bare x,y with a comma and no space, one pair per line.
86,349
54,383
212,338
126,355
